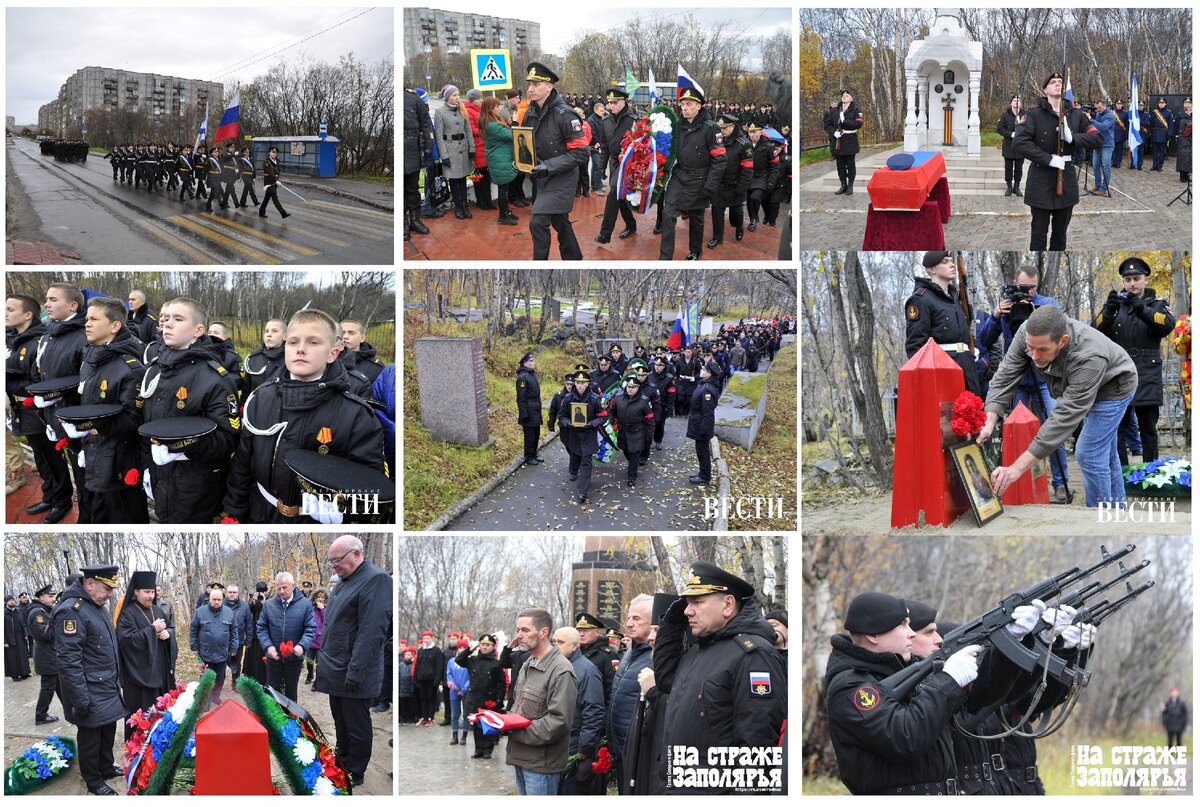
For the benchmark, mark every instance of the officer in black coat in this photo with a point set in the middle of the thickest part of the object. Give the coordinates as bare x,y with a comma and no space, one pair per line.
40,625
730,686
216,177
702,420
112,373
620,119
664,380
561,146
933,311
85,645
735,182
271,184
1013,162
765,159
23,333
1138,321
1120,132
418,144
1048,147
249,173
579,416
633,415
529,406
686,369
485,676
1162,124
231,166
593,643
59,354
842,127
191,381
620,362
656,396
699,164
605,375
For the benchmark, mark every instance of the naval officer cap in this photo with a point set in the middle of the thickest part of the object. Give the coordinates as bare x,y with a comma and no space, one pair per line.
539,72
873,613
53,388
177,433
586,620
106,574
691,94
616,95
326,474
1134,266
705,578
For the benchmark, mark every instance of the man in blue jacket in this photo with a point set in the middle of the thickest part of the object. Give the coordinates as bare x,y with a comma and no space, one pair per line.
625,690
286,617
587,727
1032,391
1106,122
214,637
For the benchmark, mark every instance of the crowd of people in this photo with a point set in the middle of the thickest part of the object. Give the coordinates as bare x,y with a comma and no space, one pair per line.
206,174
133,408
637,394
704,668
104,667
471,138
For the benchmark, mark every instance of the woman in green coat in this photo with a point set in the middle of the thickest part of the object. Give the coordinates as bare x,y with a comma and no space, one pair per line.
498,146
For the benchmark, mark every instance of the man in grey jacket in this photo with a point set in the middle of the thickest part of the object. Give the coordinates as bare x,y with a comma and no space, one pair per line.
546,694
1093,380
587,727
214,637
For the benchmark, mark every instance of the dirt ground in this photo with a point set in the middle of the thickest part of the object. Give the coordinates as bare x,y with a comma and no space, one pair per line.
20,732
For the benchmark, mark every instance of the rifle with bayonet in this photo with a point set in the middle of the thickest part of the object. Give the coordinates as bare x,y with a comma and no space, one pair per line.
965,303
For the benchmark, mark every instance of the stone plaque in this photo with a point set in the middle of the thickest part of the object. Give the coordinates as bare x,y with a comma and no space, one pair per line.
452,389
579,597
552,309
608,600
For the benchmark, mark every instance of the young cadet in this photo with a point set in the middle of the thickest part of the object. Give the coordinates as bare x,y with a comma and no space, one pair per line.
112,373
248,174
360,385
230,169
188,380
270,181
310,407
59,354
200,170
579,416
216,191
267,361
232,360
184,170
354,336
24,330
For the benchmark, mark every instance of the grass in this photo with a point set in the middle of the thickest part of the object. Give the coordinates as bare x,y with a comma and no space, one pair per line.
991,140
438,474
769,470
374,179
1054,764
750,388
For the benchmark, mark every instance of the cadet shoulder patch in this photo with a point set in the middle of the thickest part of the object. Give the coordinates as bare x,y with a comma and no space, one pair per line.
865,698
708,396
576,126
39,619
760,684
912,312
1160,318
70,628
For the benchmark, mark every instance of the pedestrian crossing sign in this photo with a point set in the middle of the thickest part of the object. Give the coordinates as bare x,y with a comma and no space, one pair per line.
490,69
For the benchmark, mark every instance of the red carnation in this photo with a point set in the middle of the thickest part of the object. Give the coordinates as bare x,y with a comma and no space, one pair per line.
489,704
61,444
603,761
967,415
131,477
285,649
230,520
27,402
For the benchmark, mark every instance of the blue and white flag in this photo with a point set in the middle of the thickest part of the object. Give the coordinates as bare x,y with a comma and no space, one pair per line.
203,133
653,90
1067,94
1135,120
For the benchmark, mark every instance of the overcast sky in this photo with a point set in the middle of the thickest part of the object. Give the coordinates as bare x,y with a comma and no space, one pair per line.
563,21
45,46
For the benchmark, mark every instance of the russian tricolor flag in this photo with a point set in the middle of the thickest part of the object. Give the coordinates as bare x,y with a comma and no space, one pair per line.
683,81
677,338
227,129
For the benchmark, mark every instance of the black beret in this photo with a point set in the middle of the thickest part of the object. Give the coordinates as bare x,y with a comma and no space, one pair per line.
873,613
932,259
1050,78
920,614
779,615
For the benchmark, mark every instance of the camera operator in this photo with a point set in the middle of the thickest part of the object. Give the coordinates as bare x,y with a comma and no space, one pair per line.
1106,123
1017,302
1138,321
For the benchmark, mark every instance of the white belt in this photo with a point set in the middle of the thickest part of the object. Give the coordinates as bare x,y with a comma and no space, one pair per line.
954,347
291,511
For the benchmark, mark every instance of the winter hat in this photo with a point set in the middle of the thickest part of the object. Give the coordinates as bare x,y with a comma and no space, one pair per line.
448,90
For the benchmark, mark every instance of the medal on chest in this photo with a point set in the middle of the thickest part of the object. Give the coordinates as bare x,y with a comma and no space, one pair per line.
324,437
181,395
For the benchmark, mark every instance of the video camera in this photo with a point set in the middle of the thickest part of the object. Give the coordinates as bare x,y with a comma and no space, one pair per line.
1022,303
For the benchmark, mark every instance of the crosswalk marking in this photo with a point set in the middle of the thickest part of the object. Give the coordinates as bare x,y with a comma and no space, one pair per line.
257,234
291,228
354,228
355,211
229,243
176,242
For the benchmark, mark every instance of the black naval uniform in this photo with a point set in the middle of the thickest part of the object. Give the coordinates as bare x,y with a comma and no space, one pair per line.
321,415
184,170
59,354
40,628
580,441
249,173
699,165
112,374
365,361
602,654
602,380
932,313
1162,123
766,175
1037,140
231,165
85,643
665,383
702,425
613,129
28,421
142,324
192,383
1140,329
200,170
687,375
529,411
262,365
215,191
634,416
734,187
562,147
270,188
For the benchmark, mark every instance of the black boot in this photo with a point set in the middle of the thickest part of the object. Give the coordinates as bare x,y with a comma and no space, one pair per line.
407,237
1017,188
418,226
454,738
838,192
1008,189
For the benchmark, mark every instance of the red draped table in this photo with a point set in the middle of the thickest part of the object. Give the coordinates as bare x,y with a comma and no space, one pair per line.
909,207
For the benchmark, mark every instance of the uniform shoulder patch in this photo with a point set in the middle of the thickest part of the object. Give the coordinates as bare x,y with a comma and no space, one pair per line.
760,684
39,619
70,627
865,698
216,365
912,312
1160,318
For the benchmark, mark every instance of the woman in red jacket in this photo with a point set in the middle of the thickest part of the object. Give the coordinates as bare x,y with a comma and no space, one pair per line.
483,185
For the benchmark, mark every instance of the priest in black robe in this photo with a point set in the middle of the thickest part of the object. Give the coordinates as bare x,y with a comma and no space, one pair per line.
146,644
16,643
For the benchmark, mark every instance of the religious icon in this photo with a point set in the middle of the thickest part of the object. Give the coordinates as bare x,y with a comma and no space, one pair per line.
579,414
976,479
523,151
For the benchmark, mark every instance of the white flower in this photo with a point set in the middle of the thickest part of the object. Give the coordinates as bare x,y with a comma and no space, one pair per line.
634,198
305,751
324,787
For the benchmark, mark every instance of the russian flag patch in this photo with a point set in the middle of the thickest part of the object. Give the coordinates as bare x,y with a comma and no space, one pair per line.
760,684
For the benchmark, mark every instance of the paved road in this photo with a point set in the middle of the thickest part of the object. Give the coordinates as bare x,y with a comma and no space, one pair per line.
430,765
81,207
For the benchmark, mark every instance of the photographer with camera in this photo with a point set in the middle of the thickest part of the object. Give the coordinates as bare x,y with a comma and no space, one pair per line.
1106,123
1017,302
1138,321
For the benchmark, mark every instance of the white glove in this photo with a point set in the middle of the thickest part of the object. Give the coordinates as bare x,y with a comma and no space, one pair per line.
1013,134
1058,162
1087,635
163,455
82,460
146,486
72,431
1060,618
50,435
963,666
42,403
837,135
1067,132
1025,619
323,510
